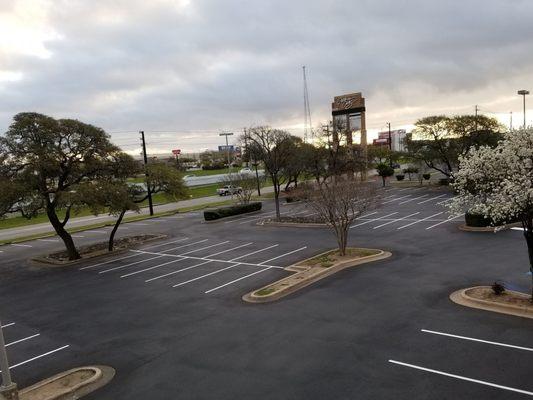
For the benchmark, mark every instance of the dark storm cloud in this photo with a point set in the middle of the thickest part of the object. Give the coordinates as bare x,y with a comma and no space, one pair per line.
209,65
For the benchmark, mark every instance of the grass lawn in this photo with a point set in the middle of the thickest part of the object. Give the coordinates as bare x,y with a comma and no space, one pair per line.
195,192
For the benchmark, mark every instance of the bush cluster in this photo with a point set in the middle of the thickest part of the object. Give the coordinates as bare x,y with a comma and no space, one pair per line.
222,212
479,220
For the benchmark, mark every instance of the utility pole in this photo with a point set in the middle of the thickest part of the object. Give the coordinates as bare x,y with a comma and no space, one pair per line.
390,145
476,109
227,149
524,93
246,148
145,158
8,389
308,126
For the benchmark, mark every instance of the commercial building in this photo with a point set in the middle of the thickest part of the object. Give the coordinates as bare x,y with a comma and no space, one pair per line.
397,139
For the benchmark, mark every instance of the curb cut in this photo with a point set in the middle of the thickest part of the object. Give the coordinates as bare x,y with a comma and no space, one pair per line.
460,297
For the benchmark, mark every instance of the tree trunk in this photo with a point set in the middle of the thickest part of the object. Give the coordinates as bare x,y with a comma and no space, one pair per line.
383,180
115,228
528,233
59,227
276,200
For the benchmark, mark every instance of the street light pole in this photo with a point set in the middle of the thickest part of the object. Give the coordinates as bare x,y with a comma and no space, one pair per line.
227,148
524,93
8,389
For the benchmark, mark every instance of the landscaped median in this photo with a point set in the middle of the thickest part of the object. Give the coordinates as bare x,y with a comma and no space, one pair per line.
72,384
484,298
312,270
100,249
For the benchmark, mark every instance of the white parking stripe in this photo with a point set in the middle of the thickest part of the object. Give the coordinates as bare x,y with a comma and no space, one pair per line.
225,251
22,340
442,222
399,198
433,198
283,255
102,232
20,245
201,248
414,198
254,252
373,219
205,275
128,265
477,340
182,258
464,378
420,220
257,272
237,280
137,223
8,325
78,236
107,262
159,255
154,267
39,356
179,270
48,240
164,244
396,220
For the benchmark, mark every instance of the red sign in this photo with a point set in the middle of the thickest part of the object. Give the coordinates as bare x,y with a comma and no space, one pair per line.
176,152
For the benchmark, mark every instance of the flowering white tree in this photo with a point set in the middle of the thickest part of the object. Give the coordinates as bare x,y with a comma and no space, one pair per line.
498,183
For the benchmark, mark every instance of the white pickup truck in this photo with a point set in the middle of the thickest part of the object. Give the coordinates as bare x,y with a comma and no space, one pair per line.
229,190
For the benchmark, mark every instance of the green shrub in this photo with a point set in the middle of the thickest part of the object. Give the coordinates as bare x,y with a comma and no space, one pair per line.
444,181
222,212
426,176
479,220
400,177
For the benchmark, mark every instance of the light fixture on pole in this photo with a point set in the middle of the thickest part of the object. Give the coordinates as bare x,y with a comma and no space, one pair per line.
227,148
524,93
8,389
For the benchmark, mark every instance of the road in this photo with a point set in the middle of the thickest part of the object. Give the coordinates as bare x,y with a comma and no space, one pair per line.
46,227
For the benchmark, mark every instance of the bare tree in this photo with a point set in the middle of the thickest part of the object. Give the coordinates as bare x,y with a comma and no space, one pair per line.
276,149
339,202
247,183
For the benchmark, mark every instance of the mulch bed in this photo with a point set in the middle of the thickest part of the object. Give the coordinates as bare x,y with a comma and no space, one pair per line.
101,247
507,297
298,220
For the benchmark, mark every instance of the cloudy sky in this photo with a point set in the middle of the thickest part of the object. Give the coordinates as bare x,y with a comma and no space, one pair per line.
185,70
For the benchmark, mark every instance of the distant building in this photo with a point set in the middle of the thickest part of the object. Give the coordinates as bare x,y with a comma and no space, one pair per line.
397,137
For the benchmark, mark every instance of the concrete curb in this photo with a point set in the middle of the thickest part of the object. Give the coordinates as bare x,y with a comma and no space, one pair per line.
43,261
102,375
227,219
301,269
292,224
462,298
491,229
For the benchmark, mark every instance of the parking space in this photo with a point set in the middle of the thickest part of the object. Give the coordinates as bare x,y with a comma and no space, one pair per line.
26,347
201,265
426,363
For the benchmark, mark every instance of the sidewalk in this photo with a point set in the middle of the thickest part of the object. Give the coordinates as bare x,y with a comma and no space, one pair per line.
46,227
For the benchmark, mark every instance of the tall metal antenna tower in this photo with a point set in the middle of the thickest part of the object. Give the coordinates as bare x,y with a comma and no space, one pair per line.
308,126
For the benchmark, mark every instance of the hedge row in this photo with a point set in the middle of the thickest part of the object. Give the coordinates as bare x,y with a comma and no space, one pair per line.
479,220
222,212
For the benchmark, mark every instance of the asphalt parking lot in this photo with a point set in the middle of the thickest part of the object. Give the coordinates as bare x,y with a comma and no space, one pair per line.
169,317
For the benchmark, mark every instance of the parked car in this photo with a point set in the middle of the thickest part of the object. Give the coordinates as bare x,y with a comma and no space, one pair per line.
245,170
229,190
